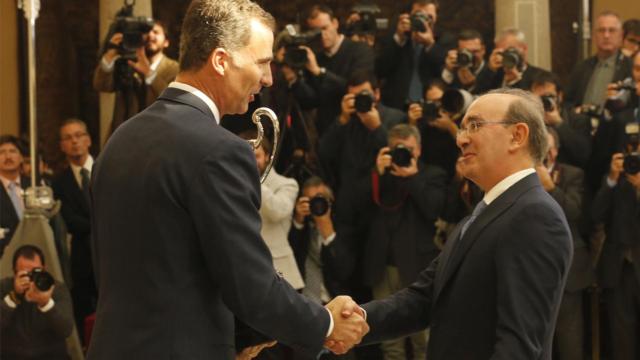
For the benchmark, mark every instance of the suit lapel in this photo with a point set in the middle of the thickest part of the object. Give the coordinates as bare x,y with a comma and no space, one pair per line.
493,211
184,97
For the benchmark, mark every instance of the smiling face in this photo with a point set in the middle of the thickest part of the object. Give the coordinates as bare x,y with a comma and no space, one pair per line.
248,70
486,151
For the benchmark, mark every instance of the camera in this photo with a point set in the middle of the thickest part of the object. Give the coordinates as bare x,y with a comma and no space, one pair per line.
511,58
548,103
620,101
465,58
401,155
631,162
295,57
319,205
367,23
418,19
41,279
430,111
591,110
364,101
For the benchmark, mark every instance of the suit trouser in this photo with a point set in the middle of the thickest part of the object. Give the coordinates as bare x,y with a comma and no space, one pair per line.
569,334
623,308
394,349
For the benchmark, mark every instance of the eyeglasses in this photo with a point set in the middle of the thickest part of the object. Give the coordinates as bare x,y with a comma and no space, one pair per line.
475,125
76,136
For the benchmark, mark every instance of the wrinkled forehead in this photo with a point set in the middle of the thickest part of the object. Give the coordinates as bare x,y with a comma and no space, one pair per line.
491,107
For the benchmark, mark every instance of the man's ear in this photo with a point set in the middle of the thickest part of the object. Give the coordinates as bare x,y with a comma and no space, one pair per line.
219,60
519,136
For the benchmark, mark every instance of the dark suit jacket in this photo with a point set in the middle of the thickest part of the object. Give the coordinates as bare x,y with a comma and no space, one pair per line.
395,63
488,80
402,228
619,209
498,293
8,216
338,260
177,246
581,74
569,192
75,212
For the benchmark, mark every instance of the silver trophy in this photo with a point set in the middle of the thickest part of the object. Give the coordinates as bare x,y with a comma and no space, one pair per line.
263,111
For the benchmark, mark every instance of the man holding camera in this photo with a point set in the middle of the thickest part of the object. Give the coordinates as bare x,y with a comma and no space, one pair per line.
617,204
463,64
349,146
508,65
589,79
152,73
13,185
35,311
412,55
407,199
326,71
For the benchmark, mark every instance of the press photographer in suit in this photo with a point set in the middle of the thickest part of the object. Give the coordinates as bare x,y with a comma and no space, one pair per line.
179,244
495,290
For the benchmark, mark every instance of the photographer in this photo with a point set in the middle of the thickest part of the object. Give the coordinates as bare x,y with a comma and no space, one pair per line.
407,198
618,206
463,64
438,127
325,71
12,205
323,247
412,55
588,81
348,148
508,66
573,129
35,311
147,75
630,37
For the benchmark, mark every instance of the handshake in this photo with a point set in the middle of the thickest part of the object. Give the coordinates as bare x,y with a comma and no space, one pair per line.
349,325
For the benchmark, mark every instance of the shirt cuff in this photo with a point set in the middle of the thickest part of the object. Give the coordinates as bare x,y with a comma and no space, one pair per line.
400,43
329,239
330,323
297,225
47,307
149,79
9,302
447,76
106,65
611,183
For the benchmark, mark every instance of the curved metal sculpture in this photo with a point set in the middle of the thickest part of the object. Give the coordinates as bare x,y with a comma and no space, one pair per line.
264,111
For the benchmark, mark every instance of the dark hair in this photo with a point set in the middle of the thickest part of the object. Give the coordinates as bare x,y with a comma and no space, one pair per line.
360,77
554,134
470,34
318,9
70,121
544,77
163,25
28,252
425,3
251,134
315,181
436,82
631,26
211,24
10,139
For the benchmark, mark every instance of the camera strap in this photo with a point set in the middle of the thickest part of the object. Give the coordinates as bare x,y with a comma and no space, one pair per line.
375,187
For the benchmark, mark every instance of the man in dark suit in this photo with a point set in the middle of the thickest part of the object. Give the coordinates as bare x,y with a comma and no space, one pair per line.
495,290
565,183
71,187
175,222
589,79
409,59
500,72
11,200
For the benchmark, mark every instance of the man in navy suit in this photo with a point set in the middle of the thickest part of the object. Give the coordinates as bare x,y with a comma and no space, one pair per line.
495,290
175,223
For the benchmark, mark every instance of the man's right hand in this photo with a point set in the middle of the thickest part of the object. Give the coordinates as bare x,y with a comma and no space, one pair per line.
111,53
404,27
495,60
617,167
21,282
383,161
349,325
302,209
348,106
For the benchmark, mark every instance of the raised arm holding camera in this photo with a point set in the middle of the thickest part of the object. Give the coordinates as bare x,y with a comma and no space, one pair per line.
133,64
463,64
35,310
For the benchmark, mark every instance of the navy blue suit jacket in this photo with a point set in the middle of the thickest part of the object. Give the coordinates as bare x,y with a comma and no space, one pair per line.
498,293
177,246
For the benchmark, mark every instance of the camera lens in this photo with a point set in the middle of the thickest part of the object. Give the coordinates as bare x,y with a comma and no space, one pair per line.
417,22
548,103
364,101
401,156
430,111
318,205
631,163
465,58
511,58
42,279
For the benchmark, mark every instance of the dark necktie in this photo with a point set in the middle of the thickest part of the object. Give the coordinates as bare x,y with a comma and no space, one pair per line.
86,178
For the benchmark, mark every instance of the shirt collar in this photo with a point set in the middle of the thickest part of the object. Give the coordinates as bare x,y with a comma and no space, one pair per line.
155,64
88,164
207,100
6,182
505,184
